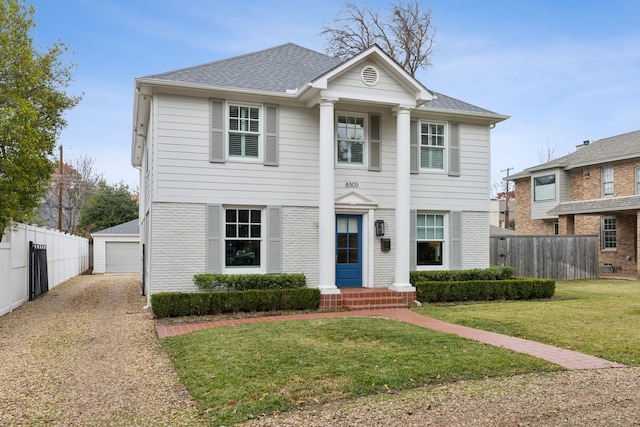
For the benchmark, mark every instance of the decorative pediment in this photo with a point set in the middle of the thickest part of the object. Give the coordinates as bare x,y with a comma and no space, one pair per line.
353,200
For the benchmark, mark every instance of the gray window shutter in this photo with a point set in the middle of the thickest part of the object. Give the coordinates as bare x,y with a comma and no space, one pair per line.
214,259
456,240
216,150
374,143
415,158
413,249
454,150
271,150
274,239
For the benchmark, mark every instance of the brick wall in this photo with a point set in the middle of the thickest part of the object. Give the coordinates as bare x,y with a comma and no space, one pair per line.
524,224
300,237
586,184
384,262
177,246
475,240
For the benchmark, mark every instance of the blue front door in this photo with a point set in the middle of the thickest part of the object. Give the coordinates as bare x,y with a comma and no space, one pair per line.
348,250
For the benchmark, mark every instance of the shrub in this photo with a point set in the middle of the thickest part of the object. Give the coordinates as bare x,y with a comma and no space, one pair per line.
478,290
176,304
244,282
492,273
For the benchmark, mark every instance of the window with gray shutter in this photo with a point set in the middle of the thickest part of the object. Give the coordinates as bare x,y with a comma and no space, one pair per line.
414,147
374,143
213,264
274,239
413,259
271,149
456,240
454,150
216,145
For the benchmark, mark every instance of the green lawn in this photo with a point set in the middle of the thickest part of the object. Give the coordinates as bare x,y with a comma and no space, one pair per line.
597,317
240,372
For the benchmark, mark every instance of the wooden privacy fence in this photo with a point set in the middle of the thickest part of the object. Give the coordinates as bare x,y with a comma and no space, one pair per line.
560,257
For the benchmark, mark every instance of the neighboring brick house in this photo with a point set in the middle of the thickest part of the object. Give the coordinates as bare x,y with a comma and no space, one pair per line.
594,190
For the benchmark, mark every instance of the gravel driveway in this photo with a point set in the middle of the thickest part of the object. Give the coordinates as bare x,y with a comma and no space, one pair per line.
87,354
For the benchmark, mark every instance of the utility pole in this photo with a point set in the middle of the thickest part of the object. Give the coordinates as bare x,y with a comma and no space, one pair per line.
60,192
506,198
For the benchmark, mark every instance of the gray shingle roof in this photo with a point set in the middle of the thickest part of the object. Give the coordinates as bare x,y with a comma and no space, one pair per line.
619,147
613,204
278,69
131,227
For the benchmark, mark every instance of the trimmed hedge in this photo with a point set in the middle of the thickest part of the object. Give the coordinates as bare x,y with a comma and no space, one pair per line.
479,290
245,282
176,304
491,273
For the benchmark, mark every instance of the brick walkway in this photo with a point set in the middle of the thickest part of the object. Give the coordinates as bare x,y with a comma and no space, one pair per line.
566,358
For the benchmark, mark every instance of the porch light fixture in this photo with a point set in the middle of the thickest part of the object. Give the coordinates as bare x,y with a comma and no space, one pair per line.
379,227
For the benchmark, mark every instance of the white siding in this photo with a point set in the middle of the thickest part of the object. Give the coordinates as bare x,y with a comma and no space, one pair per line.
350,86
470,190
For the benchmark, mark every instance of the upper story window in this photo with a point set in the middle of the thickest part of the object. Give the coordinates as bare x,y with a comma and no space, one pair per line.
607,181
432,143
544,187
351,139
244,131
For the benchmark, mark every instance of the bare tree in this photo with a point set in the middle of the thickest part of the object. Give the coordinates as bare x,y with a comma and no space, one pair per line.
405,34
79,180
548,152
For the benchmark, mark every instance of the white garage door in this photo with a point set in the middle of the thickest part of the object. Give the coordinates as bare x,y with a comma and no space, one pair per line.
122,257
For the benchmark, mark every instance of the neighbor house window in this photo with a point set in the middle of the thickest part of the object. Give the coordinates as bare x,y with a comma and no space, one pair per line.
607,181
244,131
351,139
609,233
432,143
544,187
637,180
243,237
430,239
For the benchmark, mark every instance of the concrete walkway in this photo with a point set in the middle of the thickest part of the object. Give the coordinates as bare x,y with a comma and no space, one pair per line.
566,358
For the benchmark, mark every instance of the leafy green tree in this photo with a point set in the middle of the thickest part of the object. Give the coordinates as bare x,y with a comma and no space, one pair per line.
110,205
32,103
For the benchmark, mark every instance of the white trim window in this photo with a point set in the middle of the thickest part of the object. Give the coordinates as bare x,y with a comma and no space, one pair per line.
351,139
609,238
430,239
432,145
244,132
544,188
607,181
244,243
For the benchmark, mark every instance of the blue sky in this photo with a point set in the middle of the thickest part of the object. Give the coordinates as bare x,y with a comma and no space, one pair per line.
565,71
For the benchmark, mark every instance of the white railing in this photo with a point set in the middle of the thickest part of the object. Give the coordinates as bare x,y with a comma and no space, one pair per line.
67,257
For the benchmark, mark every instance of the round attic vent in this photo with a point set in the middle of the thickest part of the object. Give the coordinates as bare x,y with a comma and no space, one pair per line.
370,75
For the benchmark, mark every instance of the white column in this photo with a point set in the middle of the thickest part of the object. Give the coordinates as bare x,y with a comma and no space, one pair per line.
327,216
403,182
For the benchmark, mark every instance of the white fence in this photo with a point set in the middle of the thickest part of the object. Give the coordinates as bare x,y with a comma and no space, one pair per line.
67,257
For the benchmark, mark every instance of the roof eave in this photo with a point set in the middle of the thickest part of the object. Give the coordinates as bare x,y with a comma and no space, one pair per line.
492,117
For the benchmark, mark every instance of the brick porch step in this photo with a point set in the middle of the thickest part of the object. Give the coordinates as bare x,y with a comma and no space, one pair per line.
370,299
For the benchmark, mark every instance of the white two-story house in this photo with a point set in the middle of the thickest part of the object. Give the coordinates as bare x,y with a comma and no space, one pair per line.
288,160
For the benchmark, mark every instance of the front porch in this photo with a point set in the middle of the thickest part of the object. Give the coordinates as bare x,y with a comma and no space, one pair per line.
351,299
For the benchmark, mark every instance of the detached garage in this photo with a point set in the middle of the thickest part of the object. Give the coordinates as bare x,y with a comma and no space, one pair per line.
117,249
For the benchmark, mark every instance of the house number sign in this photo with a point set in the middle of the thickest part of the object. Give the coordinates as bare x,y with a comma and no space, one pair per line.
351,184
